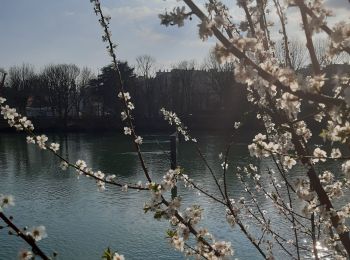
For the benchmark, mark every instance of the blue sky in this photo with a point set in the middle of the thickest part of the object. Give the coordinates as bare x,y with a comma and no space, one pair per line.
66,31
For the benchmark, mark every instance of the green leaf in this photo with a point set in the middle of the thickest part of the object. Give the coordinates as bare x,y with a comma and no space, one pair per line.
158,215
171,233
107,254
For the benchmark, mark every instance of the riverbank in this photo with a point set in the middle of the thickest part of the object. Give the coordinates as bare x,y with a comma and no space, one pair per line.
204,123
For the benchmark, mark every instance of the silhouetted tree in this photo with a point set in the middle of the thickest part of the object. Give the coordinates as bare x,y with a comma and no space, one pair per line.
321,49
20,82
145,66
297,53
82,85
106,86
61,83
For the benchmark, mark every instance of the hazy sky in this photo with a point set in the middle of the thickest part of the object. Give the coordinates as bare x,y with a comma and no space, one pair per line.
66,31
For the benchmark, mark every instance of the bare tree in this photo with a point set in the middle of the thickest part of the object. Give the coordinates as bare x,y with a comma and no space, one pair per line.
321,49
3,74
82,86
61,83
185,65
145,66
297,53
20,79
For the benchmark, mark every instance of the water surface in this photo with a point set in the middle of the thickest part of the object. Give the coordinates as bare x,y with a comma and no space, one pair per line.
82,221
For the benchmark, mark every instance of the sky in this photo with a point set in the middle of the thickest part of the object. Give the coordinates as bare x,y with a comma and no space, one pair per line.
41,32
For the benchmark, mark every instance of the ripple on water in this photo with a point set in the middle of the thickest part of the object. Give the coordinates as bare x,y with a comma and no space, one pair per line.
81,221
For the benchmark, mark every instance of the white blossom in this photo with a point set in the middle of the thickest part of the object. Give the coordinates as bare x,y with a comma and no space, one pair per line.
220,156
131,105
6,200
289,162
326,177
139,140
125,188
25,255
224,248
126,95
30,140
55,147
205,30
81,165
111,177
99,175
37,233
117,256
127,130
178,243
335,153
64,165
319,154
123,115
41,141
9,113
224,166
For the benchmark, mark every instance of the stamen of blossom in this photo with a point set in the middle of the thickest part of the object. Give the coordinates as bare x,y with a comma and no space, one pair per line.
6,200
64,165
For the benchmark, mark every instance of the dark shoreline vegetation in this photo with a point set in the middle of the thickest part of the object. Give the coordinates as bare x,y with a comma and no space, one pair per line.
63,97
113,126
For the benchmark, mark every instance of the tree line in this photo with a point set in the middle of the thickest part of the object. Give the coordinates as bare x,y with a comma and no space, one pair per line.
67,92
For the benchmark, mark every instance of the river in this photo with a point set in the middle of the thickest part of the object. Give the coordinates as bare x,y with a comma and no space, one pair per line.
82,221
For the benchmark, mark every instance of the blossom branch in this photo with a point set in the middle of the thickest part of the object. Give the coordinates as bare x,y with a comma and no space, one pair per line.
27,238
132,132
261,72
309,43
281,17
